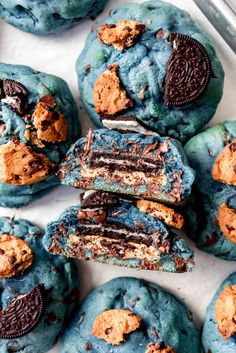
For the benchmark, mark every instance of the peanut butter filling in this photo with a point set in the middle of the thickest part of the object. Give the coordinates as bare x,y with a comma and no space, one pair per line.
224,168
109,97
20,165
159,348
113,325
162,212
122,34
50,124
225,312
15,256
227,222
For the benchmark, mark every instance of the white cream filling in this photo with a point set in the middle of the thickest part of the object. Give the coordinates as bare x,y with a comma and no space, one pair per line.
126,162
129,125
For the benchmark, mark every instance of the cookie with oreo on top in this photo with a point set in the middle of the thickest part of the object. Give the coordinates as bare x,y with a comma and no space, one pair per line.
150,67
38,291
38,123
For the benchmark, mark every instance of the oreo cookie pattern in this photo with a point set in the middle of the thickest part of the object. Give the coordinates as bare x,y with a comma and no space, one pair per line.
38,122
156,321
153,63
36,300
211,217
117,233
50,16
151,167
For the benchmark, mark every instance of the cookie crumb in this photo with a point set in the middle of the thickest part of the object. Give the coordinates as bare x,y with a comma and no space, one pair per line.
165,214
159,347
109,97
227,222
113,325
224,168
20,165
15,256
122,34
225,312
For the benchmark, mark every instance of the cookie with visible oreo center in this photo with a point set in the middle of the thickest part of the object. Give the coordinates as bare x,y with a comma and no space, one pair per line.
211,215
149,67
107,229
33,283
39,121
128,315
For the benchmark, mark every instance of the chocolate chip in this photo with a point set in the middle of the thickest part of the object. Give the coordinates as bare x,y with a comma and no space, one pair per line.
188,71
11,259
108,330
232,147
160,33
23,314
36,164
110,25
87,346
56,16
88,69
2,252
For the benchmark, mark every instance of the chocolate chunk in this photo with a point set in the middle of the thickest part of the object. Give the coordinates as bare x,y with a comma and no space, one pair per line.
188,71
23,314
15,95
97,198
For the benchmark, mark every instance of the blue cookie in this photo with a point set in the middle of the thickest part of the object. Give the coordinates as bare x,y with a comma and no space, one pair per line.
211,218
113,231
134,164
38,123
219,330
37,290
154,316
150,64
51,16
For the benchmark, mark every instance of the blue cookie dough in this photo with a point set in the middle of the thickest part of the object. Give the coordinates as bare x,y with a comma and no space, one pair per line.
38,85
209,194
164,319
104,141
144,66
50,16
179,257
212,340
58,276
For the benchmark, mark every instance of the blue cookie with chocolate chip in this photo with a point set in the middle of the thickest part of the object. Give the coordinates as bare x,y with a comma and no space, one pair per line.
146,166
38,291
219,330
50,16
38,123
107,229
127,315
211,217
150,66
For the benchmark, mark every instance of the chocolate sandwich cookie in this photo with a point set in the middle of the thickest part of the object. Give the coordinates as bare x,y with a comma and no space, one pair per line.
131,315
49,16
37,290
211,216
219,330
147,67
38,123
107,229
151,167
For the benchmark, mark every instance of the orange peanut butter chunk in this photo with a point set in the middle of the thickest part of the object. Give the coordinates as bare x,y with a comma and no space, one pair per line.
225,312
109,97
50,124
20,165
122,34
165,214
227,222
113,325
15,256
224,168
159,348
